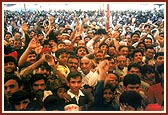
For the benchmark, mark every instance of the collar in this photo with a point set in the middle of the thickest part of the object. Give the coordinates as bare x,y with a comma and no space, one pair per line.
73,95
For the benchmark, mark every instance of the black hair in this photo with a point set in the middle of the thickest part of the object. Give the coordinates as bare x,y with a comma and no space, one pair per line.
60,51
131,65
131,98
136,34
74,75
122,46
73,56
131,79
160,68
76,51
10,59
136,51
35,105
19,96
147,69
37,77
13,77
158,54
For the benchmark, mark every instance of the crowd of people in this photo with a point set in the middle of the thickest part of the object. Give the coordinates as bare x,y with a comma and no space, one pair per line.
62,58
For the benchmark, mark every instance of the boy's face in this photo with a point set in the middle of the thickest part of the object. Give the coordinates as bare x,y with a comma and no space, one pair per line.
75,84
60,92
107,95
9,67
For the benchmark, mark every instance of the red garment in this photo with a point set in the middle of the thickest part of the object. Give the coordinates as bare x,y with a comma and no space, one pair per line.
13,54
155,94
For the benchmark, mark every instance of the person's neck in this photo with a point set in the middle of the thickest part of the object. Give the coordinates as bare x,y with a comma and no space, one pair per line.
75,93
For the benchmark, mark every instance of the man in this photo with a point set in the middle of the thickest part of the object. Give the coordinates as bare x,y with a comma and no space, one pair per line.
149,55
73,63
130,101
38,85
20,100
121,69
12,83
85,65
132,82
78,96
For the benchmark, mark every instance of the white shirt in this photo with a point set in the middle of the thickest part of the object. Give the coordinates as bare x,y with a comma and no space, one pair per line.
85,78
76,96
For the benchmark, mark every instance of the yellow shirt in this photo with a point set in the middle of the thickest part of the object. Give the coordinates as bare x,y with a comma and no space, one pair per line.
64,70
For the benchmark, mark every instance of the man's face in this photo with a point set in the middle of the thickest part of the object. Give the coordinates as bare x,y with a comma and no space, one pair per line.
11,86
149,53
39,87
73,64
134,70
123,51
121,62
159,60
81,52
75,84
131,87
85,65
137,57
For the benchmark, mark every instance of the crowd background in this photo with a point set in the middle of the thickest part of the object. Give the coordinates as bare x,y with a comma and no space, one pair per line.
57,58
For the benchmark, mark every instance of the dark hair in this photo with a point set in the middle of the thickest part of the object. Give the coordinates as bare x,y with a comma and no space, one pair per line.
131,65
136,51
51,103
103,44
158,54
59,52
131,98
160,68
76,51
122,46
10,59
74,75
35,105
14,77
131,79
19,96
108,86
147,68
73,56
136,34
37,77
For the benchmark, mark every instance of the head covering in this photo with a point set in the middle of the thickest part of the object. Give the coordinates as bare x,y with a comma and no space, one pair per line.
153,107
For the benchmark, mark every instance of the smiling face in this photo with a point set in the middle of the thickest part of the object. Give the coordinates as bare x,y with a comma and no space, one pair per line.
73,64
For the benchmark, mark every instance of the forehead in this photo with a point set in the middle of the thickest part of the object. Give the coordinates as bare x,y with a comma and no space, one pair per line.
121,58
72,60
39,81
10,81
77,78
124,48
112,76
